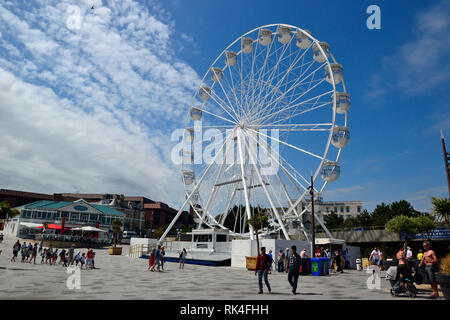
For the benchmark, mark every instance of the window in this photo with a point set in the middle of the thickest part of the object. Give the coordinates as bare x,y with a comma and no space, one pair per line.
221,238
359,209
342,209
347,209
335,209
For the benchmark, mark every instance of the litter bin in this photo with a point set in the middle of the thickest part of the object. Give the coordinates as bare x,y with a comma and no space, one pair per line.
358,265
325,266
316,267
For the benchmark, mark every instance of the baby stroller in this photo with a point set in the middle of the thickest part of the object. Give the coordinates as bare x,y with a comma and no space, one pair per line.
401,285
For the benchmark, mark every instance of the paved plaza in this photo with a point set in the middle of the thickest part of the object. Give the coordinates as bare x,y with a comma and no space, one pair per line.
125,278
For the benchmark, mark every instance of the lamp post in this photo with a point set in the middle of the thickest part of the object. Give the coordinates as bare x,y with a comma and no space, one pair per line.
446,162
313,236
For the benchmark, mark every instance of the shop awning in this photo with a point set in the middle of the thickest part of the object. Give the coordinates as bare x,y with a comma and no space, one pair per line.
31,225
53,226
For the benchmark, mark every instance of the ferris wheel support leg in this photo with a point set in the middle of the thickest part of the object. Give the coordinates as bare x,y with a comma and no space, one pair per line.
247,204
192,193
286,235
212,195
225,213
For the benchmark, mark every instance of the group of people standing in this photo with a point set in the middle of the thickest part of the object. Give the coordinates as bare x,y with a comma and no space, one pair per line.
50,255
427,258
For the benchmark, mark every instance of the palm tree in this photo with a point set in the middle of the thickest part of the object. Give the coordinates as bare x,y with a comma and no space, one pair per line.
441,208
116,225
6,212
258,221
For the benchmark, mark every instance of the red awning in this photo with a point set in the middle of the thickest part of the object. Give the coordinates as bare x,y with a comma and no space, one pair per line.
53,226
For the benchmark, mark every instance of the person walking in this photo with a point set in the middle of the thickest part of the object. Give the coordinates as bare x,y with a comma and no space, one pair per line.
293,266
16,248
41,244
34,252
409,253
280,261
151,260
71,253
163,254
43,255
54,257
89,257
82,260
375,256
157,259
23,251
338,262
183,255
431,267
262,269
77,258
286,255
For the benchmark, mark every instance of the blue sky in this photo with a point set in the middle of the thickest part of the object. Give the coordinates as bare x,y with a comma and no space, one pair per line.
91,110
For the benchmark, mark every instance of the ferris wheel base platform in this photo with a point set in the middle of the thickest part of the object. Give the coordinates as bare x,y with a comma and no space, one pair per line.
217,259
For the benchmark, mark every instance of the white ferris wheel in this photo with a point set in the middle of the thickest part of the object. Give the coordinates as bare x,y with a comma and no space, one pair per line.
270,112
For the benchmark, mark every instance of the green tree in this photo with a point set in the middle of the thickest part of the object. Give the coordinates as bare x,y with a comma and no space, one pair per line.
425,224
258,221
333,221
6,212
116,225
403,224
381,214
441,209
403,208
351,222
160,230
364,219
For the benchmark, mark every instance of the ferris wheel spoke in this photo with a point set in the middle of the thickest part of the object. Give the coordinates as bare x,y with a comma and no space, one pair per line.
215,115
293,115
273,155
230,104
272,102
290,69
275,68
271,115
223,105
265,191
288,144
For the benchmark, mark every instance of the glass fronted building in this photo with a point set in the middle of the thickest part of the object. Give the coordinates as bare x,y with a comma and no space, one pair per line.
77,214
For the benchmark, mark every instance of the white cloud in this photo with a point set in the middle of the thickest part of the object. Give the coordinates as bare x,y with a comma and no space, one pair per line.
91,109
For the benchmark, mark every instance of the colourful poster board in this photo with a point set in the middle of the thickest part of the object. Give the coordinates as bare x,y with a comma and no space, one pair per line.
365,263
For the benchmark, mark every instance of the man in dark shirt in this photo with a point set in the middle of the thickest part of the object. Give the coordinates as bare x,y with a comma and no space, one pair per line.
262,268
293,266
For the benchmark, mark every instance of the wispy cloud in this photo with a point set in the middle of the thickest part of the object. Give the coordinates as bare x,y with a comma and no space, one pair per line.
341,192
419,64
90,109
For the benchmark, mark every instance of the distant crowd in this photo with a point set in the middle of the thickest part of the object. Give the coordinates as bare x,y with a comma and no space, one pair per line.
30,252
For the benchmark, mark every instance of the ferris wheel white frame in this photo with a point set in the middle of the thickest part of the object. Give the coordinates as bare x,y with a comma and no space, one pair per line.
237,127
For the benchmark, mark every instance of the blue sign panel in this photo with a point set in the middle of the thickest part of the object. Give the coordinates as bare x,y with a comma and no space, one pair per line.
435,234
80,208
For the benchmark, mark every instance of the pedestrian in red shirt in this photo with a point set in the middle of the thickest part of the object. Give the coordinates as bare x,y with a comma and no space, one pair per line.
262,269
